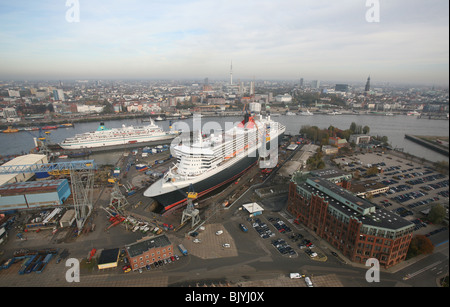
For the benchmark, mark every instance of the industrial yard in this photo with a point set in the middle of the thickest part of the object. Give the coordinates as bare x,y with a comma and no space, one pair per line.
38,241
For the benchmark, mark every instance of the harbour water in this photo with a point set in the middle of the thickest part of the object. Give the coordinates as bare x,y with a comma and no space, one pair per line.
394,127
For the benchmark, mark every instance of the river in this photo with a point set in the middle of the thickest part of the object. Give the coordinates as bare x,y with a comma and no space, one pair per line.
394,127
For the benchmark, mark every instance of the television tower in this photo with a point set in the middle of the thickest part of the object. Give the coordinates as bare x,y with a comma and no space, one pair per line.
231,73
367,87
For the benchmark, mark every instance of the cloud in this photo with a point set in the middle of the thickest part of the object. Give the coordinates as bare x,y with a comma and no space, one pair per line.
198,38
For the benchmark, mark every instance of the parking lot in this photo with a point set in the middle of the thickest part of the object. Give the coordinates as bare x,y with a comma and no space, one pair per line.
283,237
413,188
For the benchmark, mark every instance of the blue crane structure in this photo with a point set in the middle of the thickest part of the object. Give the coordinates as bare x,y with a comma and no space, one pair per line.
81,180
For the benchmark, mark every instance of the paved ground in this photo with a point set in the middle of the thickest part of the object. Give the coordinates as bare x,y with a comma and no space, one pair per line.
250,261
211,245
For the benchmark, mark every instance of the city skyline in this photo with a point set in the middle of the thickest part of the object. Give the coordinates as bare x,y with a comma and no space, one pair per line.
323,40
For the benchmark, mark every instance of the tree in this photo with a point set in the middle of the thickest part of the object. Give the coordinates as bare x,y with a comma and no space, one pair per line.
372,170
366,129
50,108
420,245
442,167
437,214
109,108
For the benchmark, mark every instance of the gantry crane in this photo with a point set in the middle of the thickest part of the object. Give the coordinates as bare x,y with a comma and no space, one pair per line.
81,179
190,212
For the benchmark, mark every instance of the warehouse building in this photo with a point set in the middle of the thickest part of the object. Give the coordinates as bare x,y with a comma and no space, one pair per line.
68,218
34,194
109,258
22,160
352,225
149,250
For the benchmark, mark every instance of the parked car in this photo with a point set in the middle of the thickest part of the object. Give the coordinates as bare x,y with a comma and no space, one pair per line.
126,268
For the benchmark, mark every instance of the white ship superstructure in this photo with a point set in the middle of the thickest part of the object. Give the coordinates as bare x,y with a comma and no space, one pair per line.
207,163
104,138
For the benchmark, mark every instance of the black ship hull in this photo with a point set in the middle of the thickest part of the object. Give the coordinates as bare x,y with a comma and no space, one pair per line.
227,175
174,198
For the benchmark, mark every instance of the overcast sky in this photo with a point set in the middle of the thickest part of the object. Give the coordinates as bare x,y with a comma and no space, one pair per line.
265,39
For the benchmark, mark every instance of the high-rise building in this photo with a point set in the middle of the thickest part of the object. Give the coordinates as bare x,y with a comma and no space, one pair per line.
367,85
315,84
301,82
231,73
252,88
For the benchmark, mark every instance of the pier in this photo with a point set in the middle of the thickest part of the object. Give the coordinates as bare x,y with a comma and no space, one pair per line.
433,146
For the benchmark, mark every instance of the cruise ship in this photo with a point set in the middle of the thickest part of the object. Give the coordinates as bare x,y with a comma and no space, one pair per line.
124,137
208,163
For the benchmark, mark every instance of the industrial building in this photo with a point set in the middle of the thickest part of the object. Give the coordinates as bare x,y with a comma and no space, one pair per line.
360,139
253,209
299,160
34,194
109,258
352,225
330,150
367,188
22,160
149,250
68,218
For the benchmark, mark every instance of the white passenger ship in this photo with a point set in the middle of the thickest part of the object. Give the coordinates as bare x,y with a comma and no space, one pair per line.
208,163
124,137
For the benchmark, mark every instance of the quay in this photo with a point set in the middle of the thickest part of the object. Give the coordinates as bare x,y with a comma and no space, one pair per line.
436,147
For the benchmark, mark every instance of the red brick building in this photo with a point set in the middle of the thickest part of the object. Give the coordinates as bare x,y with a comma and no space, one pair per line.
147,251
352,225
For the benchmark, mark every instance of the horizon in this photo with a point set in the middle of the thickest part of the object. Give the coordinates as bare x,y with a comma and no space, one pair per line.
194,39
199,81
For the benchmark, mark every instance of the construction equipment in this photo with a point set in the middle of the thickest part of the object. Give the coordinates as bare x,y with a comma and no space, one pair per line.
81,179
115,220
118,201
190,212
91,254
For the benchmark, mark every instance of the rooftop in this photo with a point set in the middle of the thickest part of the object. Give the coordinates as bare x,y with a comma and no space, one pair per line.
352,206
108,256
329,173
141,247
17,188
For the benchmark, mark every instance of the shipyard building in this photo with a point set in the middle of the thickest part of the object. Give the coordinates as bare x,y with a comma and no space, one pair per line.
34,194
22,160
351,224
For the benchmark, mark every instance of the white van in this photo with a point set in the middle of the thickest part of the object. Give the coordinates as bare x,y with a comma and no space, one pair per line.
219,232
295,275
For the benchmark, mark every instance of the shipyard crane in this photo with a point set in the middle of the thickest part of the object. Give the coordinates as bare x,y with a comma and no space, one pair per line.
190,212
81,179
118,201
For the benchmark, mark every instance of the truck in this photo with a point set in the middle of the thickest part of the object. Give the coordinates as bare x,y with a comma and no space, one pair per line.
182,249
